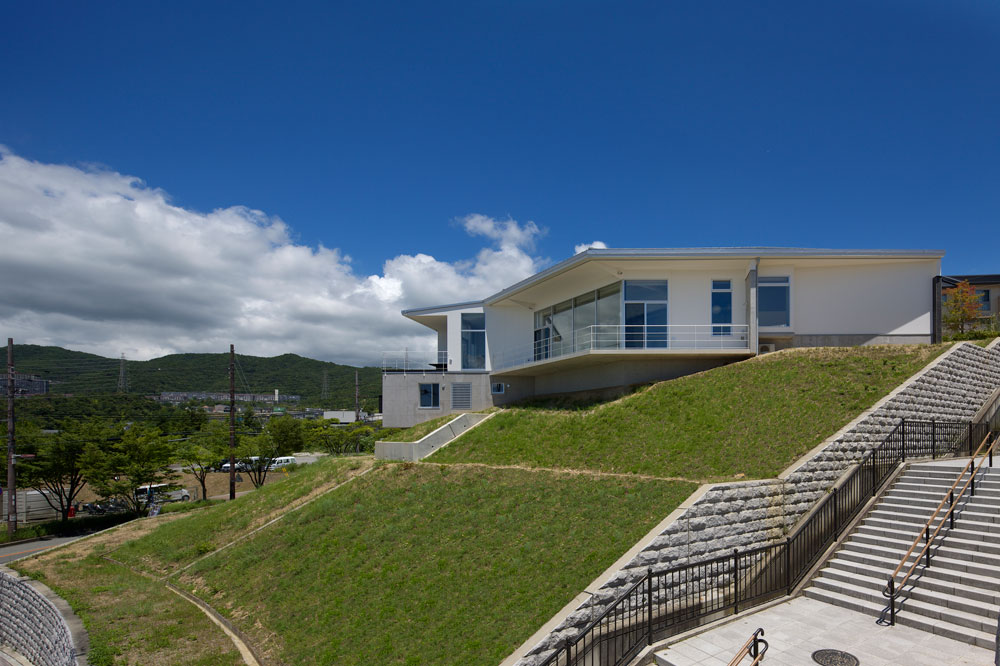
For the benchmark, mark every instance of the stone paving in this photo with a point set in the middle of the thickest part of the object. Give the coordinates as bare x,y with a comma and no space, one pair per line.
796,628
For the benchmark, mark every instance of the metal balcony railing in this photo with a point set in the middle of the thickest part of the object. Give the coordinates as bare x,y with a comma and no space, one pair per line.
414,361
675,337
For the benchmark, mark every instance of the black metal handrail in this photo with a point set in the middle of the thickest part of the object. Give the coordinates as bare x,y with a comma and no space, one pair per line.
893,589
664,603
755,647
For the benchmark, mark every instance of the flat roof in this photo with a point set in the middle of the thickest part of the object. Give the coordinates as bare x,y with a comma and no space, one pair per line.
592,254
709,253
976,279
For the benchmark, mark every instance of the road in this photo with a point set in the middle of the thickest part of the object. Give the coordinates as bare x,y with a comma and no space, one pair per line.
18,550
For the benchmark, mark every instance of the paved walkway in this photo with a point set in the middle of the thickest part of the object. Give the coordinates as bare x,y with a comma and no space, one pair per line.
797,628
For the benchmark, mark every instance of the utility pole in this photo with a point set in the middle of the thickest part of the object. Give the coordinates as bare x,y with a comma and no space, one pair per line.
122,376
11,485
232,422
357,398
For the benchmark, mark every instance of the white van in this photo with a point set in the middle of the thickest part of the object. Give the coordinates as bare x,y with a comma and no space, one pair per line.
283,461
159,493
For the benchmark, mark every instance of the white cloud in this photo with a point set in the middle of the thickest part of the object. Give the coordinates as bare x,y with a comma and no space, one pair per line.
600,245
98,261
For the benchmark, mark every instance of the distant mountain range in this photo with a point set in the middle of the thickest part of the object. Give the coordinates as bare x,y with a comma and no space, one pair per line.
80,373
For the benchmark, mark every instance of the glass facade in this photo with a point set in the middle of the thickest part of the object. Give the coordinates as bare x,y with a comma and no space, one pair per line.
645,314
576,324
473,341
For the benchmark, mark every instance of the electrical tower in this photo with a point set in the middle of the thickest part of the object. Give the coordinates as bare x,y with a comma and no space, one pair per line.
326,385
122,376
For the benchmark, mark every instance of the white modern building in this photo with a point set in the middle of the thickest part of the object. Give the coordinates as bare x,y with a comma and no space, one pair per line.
607,319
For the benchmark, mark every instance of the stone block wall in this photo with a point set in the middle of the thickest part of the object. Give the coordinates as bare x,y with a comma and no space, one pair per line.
38,624
755,513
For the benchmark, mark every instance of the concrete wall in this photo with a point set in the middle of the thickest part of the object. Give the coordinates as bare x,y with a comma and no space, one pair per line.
721,517
427,445
38,624
622,374
401,396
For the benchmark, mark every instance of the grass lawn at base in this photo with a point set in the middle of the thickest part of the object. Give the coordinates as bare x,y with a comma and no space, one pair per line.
754,417
130,619
180,542
428,564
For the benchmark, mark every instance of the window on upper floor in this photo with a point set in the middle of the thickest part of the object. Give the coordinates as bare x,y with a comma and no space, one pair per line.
473,341
774,301
722,306
984,298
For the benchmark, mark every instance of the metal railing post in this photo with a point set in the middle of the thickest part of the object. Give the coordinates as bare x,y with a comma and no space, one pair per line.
649,606
933,440
971,451
927,539
568,662
872,457
951,504
902,438
736,580
788,564
836,515
892,602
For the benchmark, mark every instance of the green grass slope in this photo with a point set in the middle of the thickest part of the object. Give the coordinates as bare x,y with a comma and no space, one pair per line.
428,564
753,418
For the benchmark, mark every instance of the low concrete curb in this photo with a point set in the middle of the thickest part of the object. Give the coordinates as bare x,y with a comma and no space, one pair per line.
446,434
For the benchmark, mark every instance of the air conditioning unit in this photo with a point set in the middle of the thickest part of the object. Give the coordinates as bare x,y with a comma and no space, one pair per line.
765,348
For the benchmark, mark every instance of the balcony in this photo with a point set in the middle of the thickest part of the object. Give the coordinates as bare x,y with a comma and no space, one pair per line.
412,361
627,341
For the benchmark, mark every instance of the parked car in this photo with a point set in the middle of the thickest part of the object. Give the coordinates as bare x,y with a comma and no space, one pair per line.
241,465
160,493
283,461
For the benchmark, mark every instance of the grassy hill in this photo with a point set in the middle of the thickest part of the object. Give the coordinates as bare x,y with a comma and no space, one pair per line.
82,373
753,418
460,562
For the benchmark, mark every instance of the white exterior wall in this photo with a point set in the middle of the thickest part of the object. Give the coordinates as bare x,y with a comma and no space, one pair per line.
893,299
509,327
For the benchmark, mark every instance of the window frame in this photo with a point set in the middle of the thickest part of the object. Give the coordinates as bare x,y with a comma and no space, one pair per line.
435,395
787,284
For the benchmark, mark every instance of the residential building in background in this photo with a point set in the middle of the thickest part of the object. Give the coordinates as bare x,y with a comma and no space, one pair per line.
607,319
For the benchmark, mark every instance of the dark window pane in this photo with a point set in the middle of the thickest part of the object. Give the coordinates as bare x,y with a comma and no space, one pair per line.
473,321
721,284
772,306
473,350
429,395
646,290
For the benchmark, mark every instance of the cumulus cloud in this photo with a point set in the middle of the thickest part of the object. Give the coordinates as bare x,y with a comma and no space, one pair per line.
586,246
98,261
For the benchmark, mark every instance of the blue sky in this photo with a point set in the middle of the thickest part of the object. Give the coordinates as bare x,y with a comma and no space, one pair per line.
377,129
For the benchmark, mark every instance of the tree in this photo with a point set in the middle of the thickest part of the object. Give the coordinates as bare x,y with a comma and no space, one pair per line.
201,452
56,471
137,455
281,437
962,308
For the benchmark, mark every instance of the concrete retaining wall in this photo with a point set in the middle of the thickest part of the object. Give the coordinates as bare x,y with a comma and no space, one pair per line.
430,443
39,624
754,513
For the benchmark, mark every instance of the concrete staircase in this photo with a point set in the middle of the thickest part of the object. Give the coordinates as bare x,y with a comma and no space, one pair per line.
959,595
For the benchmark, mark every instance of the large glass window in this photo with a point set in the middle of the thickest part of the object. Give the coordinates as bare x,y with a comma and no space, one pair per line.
722,306
609,316
584,318
473,341
645,313
430,395
773,301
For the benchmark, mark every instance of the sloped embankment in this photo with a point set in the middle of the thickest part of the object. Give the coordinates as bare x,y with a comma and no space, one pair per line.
752,418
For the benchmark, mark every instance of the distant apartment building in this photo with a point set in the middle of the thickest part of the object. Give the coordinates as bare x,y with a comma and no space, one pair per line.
177,397
25,384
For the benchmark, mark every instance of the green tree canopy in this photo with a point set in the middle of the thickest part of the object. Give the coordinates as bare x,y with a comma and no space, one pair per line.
137,455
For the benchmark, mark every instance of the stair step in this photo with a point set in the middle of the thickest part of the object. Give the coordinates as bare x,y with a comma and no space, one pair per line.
877,581
939,626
